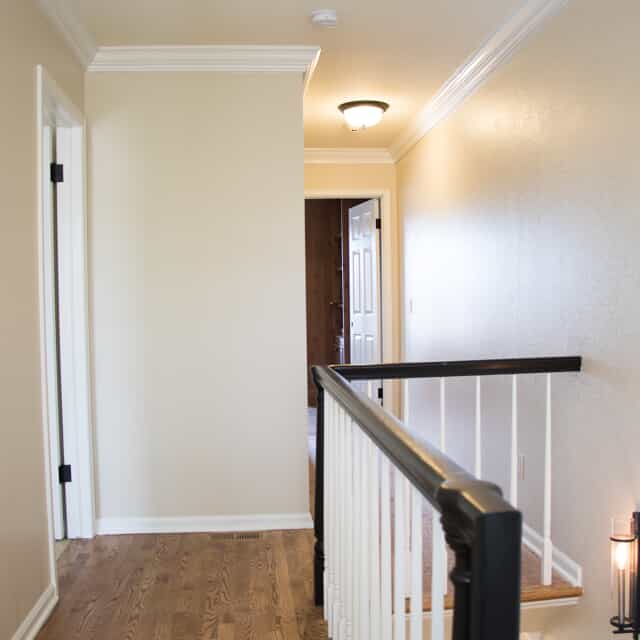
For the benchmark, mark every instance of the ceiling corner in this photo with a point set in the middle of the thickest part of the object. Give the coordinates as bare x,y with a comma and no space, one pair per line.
71,28
347,155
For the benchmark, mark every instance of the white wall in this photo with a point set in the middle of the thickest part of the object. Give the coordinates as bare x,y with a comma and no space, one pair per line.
197,271
521,231
26,40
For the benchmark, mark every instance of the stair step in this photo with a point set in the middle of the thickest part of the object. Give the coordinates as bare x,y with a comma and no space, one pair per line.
532,588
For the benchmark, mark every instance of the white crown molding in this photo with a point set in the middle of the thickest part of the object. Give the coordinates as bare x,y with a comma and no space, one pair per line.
310,70
497,50
205,524
347,155
38,615
238,58
74,32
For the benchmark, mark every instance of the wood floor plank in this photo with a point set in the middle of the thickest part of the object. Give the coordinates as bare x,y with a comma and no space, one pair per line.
189,586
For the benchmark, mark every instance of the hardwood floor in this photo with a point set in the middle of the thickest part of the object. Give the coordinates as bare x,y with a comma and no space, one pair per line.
211,586
188,586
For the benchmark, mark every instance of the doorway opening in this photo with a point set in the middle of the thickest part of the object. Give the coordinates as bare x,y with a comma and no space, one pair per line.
64,317
343,284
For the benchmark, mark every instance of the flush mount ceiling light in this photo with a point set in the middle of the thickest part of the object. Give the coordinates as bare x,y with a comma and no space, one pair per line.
362,114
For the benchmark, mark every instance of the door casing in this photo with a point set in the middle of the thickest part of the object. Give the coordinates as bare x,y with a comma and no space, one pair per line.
390,288
55,110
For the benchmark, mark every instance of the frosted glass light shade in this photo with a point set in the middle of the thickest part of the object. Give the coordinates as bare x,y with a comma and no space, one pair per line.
362,114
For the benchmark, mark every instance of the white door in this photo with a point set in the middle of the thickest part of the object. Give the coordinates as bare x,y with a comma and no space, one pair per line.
364,284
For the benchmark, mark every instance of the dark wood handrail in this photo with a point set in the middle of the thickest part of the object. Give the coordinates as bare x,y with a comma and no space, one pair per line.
425,466
481,527
459,368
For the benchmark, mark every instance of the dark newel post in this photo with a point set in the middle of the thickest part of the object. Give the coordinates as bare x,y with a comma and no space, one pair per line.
486,575
459,538
461,578
318,519
495,581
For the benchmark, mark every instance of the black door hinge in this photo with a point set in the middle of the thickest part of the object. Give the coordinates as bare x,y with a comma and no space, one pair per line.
380,393
378,223
64,473
57,173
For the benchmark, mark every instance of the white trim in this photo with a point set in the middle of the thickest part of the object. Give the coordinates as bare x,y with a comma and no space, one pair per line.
206,524
562,563
347,155
239,58
42,116
497,50
547,604
40,613
310,69
524,606
54,109
389,274
71,28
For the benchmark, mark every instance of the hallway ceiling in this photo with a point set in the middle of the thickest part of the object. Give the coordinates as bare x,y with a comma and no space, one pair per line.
400,52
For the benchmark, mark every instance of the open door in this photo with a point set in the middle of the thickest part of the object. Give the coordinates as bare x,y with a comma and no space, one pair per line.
364,277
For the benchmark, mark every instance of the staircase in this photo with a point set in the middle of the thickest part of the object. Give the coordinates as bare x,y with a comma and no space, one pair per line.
389,554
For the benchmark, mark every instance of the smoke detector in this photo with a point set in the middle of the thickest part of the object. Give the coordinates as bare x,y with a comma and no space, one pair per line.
326,18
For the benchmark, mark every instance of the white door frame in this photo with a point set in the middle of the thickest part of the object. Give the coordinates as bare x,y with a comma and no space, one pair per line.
54,109
388,270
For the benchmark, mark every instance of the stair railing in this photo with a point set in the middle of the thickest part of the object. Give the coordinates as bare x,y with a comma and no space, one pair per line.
371,479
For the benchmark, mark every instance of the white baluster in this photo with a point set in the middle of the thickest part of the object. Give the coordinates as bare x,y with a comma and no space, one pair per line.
407,499
442,549
339,595
406,487
365,581
417,564
386,595
334,616
328,512
547,550
399,589
438,579
406,406
374,542
349,533
478,437
514,442
443,415
355,540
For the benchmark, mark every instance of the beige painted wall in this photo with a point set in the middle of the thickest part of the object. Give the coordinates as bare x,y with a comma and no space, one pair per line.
350,176
521,228
197,272
26,40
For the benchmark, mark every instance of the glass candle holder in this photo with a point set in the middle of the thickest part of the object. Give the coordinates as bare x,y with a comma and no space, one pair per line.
622,561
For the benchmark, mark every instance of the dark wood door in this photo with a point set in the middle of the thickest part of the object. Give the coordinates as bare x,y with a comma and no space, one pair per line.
324,285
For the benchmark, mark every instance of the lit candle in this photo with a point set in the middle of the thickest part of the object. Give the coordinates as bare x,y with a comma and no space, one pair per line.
622,561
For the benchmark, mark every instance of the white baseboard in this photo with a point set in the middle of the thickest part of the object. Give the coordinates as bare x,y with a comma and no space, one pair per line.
205,524
570,570
36,618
